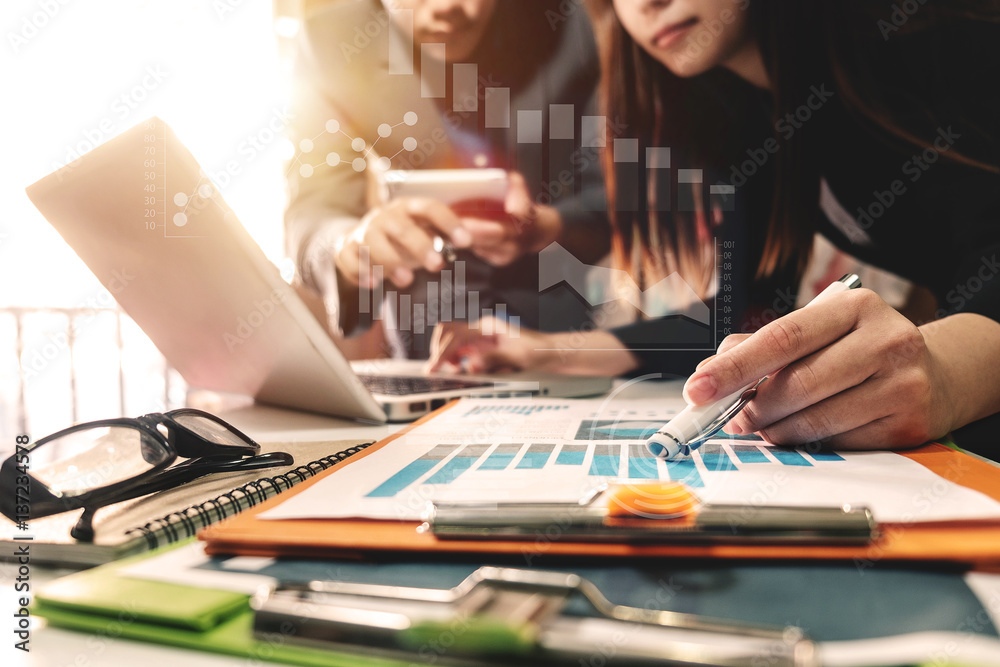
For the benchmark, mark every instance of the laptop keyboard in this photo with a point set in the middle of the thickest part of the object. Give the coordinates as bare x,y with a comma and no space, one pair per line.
403,385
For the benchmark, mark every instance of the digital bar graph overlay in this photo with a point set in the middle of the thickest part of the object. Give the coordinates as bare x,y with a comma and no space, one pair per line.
560,138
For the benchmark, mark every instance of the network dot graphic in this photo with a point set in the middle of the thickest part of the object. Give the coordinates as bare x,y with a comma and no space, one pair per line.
202,191
305,161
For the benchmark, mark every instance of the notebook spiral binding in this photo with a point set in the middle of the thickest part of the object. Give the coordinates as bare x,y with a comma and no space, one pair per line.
186,522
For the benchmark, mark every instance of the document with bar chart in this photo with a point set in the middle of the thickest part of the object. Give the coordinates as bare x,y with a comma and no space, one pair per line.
547,450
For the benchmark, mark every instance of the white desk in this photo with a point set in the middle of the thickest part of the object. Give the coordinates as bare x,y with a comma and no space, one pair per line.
52,647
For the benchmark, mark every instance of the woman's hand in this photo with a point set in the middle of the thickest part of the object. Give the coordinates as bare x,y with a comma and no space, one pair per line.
492,347
489,348
399,237
526,227
849,372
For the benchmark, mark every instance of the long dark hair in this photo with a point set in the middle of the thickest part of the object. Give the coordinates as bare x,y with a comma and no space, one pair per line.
804,43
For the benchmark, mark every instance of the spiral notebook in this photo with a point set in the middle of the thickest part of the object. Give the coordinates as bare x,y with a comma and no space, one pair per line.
169,516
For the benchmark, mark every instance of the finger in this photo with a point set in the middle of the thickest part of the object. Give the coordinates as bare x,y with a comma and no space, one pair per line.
348,260
518,202
385,254
457,342
441,339
413,241
774,346
500,256
818,376
886,433
728,343
843,412
731,341
490,360
486,233
439,217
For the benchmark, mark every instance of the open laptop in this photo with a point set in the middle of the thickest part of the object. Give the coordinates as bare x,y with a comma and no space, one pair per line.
156,232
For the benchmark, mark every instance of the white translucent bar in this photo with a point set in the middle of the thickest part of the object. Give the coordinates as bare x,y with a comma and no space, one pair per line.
501,317
497,107
432,70
486,323
689,176
626,150
473,308
389,312
404,312
465,87
447,295
459,291
657,157
593,131
529,126
722,189
433,303
514,326
364,267
377,277
419,320
561,123
401,42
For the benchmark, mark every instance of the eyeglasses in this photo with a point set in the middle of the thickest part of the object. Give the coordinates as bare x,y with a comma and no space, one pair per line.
98,463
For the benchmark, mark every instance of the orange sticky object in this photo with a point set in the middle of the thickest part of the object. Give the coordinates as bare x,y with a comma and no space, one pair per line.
666,500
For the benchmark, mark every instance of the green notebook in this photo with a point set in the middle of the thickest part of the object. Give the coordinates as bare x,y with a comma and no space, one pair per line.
101,601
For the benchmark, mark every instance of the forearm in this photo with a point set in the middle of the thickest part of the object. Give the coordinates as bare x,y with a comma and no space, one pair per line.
319,272
966,347
581,353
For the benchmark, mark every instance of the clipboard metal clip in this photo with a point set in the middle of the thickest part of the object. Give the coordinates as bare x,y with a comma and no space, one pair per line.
499,614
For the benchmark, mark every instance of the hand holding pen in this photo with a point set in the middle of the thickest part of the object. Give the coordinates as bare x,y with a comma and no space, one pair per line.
848,371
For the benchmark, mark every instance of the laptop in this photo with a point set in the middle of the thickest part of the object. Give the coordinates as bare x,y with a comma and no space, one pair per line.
146,219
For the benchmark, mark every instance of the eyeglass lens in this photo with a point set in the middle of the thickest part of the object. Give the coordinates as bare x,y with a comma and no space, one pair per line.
208,429
94,458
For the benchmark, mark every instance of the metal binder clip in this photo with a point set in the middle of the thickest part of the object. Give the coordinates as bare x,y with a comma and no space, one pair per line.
709,524
499,613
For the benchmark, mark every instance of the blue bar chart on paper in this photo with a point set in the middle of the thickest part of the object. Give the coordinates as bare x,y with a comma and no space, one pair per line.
487,452
600,449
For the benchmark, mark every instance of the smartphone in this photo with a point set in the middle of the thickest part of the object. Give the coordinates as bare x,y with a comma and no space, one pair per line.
451,186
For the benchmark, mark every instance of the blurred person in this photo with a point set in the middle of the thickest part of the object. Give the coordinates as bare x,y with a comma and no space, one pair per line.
350,109
877,131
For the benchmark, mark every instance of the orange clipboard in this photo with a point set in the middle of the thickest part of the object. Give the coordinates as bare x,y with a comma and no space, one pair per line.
970,543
